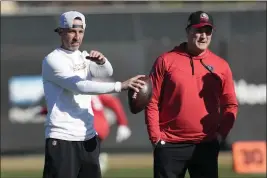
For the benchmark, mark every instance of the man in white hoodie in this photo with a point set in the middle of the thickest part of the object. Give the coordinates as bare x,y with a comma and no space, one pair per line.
72,146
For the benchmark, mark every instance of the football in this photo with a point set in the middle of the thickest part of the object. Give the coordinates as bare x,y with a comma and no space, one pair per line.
138,101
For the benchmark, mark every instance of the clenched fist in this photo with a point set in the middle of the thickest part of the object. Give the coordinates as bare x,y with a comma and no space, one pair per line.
123,133
96,57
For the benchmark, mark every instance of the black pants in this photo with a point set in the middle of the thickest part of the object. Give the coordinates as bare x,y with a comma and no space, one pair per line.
173,160
72,159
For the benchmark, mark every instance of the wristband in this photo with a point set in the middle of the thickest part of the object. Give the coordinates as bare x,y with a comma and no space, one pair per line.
117,87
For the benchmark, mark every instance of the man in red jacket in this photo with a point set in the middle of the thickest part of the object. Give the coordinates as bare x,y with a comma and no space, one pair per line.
193,106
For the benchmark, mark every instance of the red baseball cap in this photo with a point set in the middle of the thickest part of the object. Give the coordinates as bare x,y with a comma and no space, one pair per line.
199,19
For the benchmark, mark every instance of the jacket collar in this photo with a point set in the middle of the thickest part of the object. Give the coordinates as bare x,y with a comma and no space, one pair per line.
181,49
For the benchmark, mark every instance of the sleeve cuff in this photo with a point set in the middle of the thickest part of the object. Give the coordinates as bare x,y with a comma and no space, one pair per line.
117,87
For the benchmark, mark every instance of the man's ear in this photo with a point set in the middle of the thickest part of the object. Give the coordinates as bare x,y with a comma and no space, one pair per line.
187,30
60,32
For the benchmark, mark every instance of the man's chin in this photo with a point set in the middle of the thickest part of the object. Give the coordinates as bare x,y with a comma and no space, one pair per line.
202,47
74,48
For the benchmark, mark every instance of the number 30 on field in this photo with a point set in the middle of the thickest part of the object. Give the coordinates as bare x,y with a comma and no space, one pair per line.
249,157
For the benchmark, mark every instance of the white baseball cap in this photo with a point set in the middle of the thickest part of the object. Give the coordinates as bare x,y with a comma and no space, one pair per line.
66,20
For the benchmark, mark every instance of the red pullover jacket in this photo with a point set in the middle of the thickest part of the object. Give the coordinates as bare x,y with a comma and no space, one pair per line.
193,98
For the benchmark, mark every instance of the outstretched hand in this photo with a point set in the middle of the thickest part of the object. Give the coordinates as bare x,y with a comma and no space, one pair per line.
133,83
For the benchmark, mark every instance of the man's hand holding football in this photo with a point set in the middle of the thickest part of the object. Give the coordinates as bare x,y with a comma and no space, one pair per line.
133,83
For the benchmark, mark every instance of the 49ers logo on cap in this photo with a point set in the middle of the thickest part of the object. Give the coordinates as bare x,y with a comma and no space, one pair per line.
204,17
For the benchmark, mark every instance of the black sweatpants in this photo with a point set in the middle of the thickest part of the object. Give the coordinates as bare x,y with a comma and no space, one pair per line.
172,160
72,159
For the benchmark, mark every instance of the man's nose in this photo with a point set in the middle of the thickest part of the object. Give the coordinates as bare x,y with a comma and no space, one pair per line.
77,36
203,35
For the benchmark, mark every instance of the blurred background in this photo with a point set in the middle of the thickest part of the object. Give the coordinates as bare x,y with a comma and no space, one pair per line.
131,34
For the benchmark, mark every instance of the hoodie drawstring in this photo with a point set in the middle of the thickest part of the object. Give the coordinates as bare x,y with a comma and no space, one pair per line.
192,66
206,67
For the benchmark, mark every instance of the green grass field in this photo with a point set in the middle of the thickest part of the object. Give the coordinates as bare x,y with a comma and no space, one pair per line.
225,172
121,166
